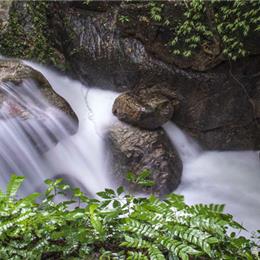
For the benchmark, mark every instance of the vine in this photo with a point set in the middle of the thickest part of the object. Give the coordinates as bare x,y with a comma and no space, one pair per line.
217,27
211,23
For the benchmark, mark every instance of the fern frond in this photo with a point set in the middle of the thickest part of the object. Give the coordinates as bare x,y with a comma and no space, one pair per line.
136,256
210,225
135,242
14,185
177,248
155,253
206,209
141,229
195,236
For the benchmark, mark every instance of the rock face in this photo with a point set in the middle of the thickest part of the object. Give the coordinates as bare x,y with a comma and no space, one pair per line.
134,150
16,72
148,108
215,105
223,114
219,100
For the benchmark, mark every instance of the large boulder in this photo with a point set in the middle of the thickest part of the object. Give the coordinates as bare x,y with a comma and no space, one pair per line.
15,72
148,108
221,111
135,150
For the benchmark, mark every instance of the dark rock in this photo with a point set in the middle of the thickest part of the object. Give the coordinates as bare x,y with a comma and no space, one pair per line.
147,108
103,50
221,111
219,106
134,150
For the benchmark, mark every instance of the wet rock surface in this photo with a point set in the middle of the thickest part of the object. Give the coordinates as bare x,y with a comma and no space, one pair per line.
147,108
222,112
135,150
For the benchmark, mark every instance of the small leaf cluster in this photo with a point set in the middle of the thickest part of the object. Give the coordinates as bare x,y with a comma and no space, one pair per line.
143,178
63,223
123,18
156,10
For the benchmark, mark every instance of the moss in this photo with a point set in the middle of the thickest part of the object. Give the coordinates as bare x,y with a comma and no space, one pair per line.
30,42
12,41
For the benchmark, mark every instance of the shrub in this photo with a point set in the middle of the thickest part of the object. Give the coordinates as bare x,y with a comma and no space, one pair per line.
119,226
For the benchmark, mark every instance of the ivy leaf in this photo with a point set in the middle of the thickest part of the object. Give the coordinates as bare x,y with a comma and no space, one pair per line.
104,195
120,190
116,204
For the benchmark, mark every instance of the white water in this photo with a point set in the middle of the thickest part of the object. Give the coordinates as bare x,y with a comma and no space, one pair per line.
83,156
232,178
22,142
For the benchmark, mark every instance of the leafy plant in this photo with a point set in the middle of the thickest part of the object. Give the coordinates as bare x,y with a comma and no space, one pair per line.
143,179
123,18
217,27
156,10
119,226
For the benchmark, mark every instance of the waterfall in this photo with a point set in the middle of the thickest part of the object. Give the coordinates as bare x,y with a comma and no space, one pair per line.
46,145
29,126
41,142
187,147
231,178
83,157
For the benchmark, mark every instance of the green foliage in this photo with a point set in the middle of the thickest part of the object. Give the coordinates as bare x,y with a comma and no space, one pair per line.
32,42
156,10
119,226
143,178
216,26
123,18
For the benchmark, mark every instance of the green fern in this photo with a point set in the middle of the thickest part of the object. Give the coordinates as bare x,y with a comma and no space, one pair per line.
155,253
119,226
14,185
136,256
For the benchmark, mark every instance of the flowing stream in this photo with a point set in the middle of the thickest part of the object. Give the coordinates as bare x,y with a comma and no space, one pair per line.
231,178
83,157
46,145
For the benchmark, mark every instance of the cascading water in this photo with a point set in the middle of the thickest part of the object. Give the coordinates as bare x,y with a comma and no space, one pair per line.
83,156
29,126
231,178
208,177
37,142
